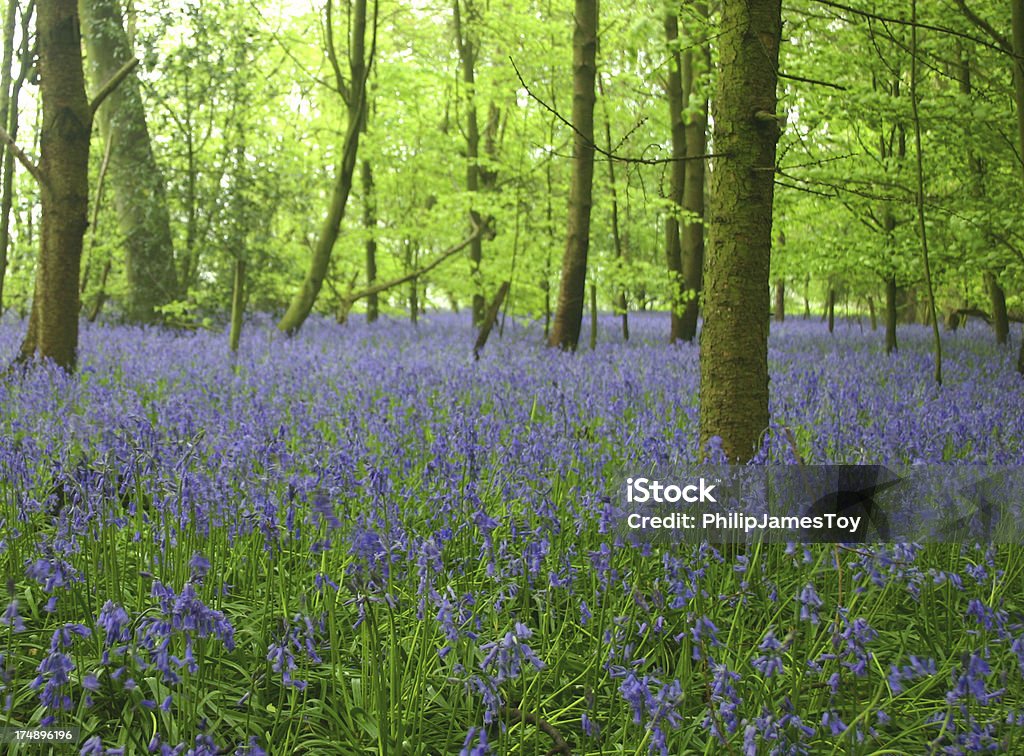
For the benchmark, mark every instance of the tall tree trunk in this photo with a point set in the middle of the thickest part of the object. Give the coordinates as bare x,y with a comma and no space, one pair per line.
693,189
780,301
11,93
64,185
830,308
237,304
360,60
467,62
734,340
890,314
621,305
1018,98
370,224
139,192
677,183
569,318
871,311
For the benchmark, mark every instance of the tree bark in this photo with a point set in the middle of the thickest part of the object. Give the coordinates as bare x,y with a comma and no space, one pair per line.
734,340
569,318
370,224
693,189
467,62
780,301
1000,319
830,308
871,311
677,181
237,304
890,314
64,185
492,315
621,305
1018,98
139,192
360,61
11,92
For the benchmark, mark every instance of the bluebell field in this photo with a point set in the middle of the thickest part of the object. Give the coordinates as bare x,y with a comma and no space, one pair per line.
360,540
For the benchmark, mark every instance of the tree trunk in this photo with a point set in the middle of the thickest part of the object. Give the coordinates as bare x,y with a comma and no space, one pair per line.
734,340
780,301
569,317
237,304
830,308
9,95
467,61
677,183
360,61
621,305
139,192
492,315
64,185
693,189
1018,98
593,317
370,224
807,298
890,314
871,311
1000,319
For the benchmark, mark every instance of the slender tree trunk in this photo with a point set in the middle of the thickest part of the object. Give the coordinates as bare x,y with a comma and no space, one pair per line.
360,61
1017,7
593,317
237,304
830,308
677,184
871,311
139,192
890,314
11,92
467,61
780,301
621,305
370,224
64,185
569,318
693,188
734,340
807,298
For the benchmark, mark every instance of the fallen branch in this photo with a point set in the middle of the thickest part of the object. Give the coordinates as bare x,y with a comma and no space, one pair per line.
351,297
560,746
492,315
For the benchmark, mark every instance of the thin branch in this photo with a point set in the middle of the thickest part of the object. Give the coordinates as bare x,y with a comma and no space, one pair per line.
601,150
24,159
107,89
332,53
811,81
985,26
915,24
351,297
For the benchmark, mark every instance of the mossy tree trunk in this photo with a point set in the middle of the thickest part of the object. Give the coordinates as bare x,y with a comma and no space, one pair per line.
734,339
370,225
63,175
139,192
565,332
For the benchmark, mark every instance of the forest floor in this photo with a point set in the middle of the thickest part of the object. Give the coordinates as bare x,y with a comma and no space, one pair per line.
361,540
